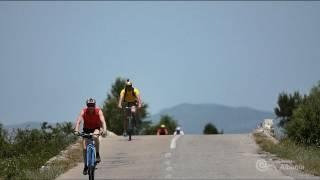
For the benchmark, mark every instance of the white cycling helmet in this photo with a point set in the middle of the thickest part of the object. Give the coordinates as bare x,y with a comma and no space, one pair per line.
128,83
91,102
178,128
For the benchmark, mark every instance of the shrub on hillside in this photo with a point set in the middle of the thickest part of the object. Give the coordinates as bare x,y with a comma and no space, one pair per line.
287,103
29,149
210,129
305,124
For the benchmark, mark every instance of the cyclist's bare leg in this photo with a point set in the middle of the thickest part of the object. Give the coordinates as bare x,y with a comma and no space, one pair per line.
96,140
125,123
134,114
84,142
84,151
133,109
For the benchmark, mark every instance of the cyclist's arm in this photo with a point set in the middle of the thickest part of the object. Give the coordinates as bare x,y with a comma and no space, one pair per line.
137,92
79,119
103,121
121,99
139,101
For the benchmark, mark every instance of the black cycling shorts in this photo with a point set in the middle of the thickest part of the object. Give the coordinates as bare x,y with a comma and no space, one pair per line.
89,130
130,104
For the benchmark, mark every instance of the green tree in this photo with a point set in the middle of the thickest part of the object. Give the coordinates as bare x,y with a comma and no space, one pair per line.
305,124
114,116
287,103
149,129
167,120
210,128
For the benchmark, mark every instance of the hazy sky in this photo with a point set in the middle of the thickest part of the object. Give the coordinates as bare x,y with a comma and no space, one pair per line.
56,54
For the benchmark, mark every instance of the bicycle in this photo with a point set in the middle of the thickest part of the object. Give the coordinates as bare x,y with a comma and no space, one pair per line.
129,117
91,153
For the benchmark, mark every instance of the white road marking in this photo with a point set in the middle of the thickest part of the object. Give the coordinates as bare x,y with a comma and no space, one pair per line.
173,143
169,168
168,155
168,176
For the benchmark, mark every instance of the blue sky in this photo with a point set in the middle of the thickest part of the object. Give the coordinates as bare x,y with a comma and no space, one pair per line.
56,54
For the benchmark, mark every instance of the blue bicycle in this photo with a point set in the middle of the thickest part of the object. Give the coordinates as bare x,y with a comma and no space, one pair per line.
91,153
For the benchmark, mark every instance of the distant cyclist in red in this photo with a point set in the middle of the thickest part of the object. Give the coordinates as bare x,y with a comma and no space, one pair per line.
93,120
162,130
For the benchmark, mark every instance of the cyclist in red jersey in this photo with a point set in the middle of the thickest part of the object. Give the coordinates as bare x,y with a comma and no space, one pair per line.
162,130
93,120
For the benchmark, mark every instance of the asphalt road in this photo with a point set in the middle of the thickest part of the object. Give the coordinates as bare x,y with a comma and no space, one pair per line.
185,157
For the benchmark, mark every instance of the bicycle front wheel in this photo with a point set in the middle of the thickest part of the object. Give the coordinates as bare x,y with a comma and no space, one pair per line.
130,129
91,161
91,173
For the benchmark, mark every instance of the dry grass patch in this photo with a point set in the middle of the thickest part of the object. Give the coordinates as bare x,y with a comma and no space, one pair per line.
307,156
71,157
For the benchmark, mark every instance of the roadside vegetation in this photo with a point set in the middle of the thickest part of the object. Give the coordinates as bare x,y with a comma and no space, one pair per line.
300,117
25,151
210,128
306,156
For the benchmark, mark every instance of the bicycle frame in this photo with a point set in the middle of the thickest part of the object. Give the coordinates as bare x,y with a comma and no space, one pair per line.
129,118
91,153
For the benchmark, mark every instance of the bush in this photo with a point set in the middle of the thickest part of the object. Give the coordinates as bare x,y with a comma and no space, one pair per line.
305,157
31,148
305,125
4,145
210,129
287,103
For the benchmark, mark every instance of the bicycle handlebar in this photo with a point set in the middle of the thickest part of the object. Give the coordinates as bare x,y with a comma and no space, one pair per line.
129,107
86,135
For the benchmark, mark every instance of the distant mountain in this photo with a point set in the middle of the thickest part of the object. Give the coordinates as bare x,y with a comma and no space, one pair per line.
193,117
25,125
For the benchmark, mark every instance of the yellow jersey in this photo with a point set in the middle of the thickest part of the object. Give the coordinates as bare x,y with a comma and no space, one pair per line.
129,96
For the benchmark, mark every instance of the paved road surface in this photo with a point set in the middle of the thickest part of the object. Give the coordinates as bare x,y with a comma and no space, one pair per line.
186,157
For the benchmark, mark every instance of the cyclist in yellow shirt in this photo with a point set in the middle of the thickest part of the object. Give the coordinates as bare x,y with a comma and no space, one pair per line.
130,96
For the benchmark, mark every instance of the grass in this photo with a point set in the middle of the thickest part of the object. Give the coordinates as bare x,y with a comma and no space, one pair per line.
25,151
306,156
58,167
